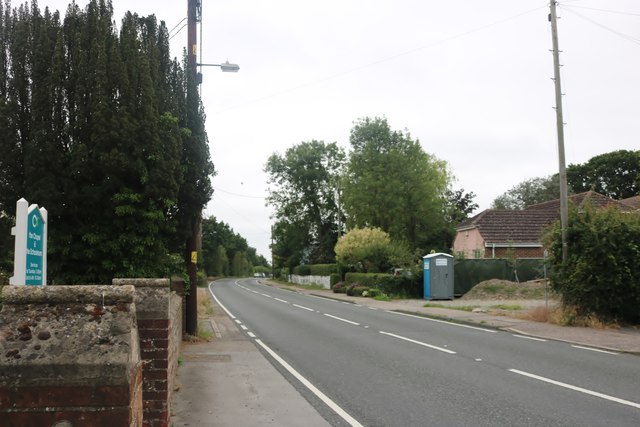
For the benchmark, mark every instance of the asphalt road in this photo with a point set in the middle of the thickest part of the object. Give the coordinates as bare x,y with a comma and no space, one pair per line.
360,366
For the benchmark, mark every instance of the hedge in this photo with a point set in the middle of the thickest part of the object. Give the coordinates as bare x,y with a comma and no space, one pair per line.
315,269
406,286
601,274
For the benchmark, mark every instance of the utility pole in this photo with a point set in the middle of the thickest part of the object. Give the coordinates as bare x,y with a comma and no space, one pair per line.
191,249
564,208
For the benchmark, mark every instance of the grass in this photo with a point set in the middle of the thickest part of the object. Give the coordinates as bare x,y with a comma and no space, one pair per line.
453,307
382,297
512,307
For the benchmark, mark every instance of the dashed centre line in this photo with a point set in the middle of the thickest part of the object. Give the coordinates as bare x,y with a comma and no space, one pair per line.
578,389
424,344
281,300
342,320
303,307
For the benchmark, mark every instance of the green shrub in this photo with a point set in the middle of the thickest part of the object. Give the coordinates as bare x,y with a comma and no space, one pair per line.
359,290
323,269
402,286
601,274
339,288
302,270
334,278
374,292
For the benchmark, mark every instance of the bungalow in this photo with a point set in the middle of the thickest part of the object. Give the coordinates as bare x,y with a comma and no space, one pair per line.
493,232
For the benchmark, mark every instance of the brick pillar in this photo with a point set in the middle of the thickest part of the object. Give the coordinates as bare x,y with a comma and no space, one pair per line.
159,317
69,355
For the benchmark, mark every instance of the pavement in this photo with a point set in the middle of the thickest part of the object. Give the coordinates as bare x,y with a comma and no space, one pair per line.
228,382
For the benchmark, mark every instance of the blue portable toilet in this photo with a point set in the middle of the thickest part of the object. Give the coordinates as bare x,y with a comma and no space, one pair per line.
438,276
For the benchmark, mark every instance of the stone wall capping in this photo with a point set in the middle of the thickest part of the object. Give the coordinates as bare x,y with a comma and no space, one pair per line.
99,294
142,283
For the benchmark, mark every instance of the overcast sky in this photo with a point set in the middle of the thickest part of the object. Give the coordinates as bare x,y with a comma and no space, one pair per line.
470,79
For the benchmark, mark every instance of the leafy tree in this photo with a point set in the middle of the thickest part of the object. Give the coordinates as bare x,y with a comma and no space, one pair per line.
600,275
370,250
529,192
304,196
393,184
460,205
224,252
97,126
615,174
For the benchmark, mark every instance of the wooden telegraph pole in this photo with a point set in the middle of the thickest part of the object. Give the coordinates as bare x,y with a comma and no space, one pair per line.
191,255
564,208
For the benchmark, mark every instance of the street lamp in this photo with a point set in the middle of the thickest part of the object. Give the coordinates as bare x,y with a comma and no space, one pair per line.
226,67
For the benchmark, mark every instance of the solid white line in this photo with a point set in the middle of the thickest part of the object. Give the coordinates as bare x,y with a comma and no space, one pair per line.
303,307
219,303
281,300
443,321
529,338
579,389
342,320
251,334
595,349
323,298
330,403
419,343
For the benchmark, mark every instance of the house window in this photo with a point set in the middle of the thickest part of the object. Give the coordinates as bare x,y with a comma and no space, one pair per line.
477,253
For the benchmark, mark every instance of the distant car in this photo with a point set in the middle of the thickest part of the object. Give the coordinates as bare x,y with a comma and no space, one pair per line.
259,275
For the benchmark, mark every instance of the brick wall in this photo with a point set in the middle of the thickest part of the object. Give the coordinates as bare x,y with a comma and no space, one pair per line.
69,353
519,252
159,314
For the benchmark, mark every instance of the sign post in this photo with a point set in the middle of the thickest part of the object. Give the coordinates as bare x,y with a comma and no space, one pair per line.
30,255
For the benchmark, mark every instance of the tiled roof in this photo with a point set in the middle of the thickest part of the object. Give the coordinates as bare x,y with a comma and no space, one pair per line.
633,202
527,226
581,200
503,226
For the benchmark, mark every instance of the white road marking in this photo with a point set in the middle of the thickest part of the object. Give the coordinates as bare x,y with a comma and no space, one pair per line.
219,303
579,389
323,298
419,343
342,320
443,321
238,322
529,338
265,295
281,300
372,308
244,328
595,349
330,403
478,360
303,307
251,334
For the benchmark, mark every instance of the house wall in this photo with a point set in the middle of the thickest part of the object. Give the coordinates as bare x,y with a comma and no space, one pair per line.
469,241
519,252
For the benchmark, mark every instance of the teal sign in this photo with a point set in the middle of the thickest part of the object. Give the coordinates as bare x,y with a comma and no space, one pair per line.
35,248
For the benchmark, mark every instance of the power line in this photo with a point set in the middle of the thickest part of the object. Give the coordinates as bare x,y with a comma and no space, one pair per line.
239,195
178,32
605,10
176,26
380,61
618,33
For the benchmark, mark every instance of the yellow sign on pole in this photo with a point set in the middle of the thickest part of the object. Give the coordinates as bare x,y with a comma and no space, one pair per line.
194,257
